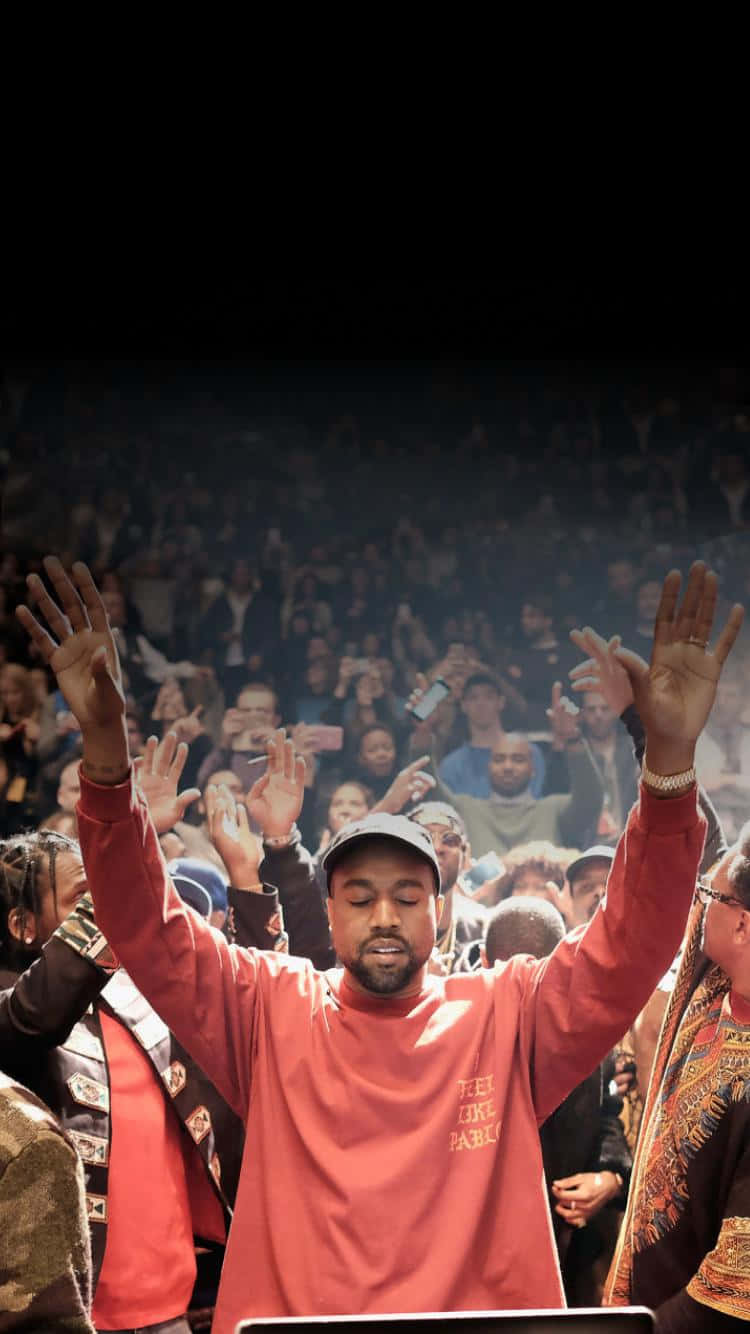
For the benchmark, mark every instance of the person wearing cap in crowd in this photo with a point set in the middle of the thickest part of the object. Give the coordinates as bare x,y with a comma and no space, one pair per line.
587,879
189,890
195,874
462,921
365,1074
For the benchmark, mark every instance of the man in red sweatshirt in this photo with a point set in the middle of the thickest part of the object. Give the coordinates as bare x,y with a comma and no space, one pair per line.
392,1161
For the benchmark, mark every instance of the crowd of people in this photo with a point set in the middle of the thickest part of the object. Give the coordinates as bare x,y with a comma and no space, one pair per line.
382,614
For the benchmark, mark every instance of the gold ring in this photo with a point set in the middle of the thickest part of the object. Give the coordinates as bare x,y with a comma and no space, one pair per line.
701,643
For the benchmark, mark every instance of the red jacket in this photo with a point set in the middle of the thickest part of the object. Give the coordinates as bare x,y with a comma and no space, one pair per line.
392,1161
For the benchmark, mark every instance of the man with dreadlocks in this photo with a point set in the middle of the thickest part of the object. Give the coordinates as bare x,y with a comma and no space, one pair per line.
76,1030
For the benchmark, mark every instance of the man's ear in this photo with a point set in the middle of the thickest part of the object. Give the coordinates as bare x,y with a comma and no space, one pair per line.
22,925
742,929
329,910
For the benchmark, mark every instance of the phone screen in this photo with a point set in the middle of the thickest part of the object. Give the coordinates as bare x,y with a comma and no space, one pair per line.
437,692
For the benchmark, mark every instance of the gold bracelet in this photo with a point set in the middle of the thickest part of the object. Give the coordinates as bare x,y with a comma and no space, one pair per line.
668,782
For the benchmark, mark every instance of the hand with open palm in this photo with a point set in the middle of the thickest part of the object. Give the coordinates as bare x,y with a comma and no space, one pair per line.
85,660
275,801
158,774
81,652
674,693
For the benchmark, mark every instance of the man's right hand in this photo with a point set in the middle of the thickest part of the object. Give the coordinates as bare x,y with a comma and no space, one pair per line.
85,663
674,693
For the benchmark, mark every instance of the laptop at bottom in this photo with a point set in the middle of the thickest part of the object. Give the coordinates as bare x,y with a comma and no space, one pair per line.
595,1320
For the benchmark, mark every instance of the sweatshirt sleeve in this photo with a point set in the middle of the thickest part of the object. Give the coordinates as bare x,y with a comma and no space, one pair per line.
203,988
582,998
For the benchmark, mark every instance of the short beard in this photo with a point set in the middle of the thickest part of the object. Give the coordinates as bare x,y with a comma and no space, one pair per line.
383,983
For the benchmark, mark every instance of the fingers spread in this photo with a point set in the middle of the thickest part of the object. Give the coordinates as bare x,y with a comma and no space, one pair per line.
97,612
664,624
703,619
165,755
67,593
37,633
149,752
178,763
700,594
729,633
48,607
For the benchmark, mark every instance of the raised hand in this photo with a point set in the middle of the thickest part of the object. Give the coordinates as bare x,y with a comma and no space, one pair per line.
411,784
84,658
601,670
239,848
275,801
563,718
158,774
189,726
675,692
232,724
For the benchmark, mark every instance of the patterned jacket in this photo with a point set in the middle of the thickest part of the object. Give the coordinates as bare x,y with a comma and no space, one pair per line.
45,1254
